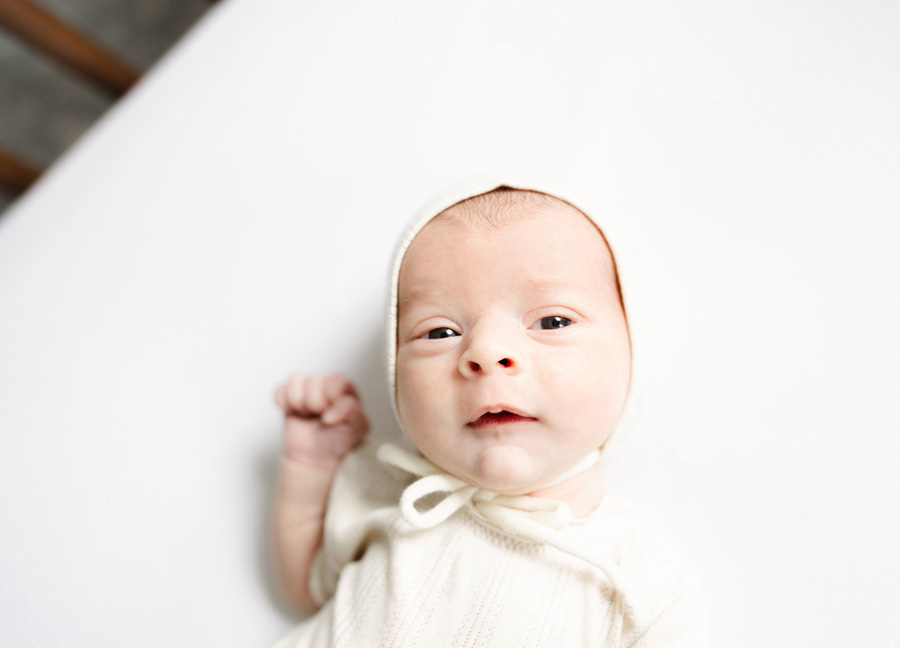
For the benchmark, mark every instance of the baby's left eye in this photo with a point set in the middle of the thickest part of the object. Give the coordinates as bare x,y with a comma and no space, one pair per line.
440,333
554,322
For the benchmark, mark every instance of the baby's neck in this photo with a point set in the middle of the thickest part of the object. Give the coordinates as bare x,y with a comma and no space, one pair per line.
583,492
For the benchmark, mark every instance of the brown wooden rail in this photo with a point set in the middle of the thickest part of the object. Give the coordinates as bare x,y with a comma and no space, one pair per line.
42,30
15,174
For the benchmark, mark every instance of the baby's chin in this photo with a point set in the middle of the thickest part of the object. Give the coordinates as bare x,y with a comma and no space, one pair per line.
508,470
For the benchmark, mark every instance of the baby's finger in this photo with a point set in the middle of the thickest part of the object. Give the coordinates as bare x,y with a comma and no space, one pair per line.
341,410
315,400
304,395
280,397
358,422
289,394
336,385
294,392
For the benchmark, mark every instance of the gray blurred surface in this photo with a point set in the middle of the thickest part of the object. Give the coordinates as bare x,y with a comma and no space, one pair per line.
44,108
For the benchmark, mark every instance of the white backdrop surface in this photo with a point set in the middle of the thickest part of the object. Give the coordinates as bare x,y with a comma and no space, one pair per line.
232,220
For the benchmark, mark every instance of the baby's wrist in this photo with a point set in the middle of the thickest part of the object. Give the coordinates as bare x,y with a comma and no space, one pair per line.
303,487
301,465
311,463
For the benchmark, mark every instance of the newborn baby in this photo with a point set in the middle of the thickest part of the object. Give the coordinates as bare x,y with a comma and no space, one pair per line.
511,356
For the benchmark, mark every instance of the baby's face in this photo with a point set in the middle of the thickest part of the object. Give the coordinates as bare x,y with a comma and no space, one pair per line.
513,357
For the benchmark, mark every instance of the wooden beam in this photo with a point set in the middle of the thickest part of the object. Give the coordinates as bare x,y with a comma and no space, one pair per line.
15,174
44,31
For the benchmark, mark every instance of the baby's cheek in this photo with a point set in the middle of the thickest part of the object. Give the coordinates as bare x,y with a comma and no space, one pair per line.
590,382
406,399
572,371
414,390
404,385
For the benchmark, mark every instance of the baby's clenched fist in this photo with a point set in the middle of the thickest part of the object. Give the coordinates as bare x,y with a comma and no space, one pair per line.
323,418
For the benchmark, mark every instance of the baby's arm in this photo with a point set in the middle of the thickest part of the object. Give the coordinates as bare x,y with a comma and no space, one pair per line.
323,422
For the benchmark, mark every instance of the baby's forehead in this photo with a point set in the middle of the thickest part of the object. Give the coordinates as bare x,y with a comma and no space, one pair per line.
545,216
500,207
539,221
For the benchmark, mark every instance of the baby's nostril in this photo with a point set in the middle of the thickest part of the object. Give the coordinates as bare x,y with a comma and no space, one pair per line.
474,366
506,362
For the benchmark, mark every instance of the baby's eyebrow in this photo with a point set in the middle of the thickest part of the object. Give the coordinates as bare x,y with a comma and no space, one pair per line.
534,284
411,295
563,289
541,284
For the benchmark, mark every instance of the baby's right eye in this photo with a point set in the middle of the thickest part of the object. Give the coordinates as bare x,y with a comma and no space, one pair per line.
439,333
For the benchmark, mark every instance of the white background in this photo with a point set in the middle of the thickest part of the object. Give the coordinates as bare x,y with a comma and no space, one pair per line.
232,220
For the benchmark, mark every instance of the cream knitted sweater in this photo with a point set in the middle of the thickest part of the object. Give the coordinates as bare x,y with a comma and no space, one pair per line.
467,582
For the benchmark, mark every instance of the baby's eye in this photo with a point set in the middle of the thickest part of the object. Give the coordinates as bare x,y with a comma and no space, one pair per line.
439,333
554,322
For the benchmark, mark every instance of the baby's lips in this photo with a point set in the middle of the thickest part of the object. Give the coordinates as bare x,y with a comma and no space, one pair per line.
499,411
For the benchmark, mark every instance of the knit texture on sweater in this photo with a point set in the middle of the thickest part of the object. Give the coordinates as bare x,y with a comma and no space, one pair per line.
467,583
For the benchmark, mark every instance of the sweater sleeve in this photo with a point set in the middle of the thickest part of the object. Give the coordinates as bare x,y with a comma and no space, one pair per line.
681,623
361,489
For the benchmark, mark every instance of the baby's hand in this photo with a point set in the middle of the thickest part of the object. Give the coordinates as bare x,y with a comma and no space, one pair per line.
323,418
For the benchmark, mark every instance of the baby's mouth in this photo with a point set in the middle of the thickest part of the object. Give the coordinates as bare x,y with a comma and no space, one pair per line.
502,417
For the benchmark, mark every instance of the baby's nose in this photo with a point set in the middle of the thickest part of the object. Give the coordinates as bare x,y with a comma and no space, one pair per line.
489,354
504,363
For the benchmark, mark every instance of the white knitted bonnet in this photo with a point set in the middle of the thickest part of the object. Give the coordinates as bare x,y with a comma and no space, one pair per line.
623,251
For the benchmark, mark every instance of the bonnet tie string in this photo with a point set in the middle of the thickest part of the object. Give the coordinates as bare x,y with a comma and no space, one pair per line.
533,518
